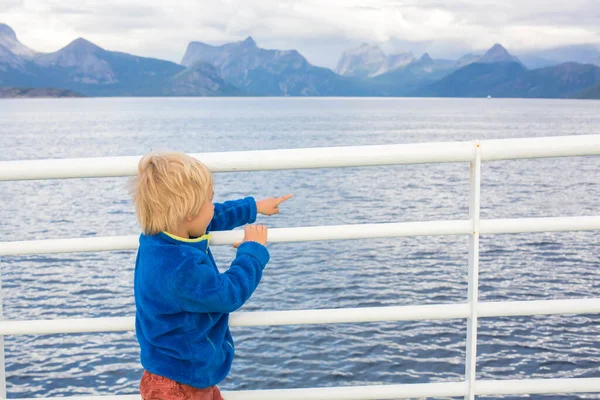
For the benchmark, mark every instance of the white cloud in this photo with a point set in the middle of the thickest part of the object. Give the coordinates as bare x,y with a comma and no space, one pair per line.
319,29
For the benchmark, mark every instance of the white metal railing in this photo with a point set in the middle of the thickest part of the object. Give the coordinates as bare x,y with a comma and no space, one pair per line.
473,277
324,316
472,152
321,157
330,232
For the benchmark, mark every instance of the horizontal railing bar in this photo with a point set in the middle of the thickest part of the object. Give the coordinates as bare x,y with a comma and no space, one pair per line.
276,235
373,392
316,233
537,386
538,307
263,318
67,325
350,315
415,313
544,224
322,157
237,161
324,316
56,246
402,391
542,147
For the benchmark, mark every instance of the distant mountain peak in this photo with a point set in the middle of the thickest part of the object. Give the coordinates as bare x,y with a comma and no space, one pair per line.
362,61
82,45
426,58
8,39
7,31
81,42
497,49
249,42
498,54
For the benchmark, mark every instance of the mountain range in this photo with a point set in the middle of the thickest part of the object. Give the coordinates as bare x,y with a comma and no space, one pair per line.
264,72
511,79
243,68
86,68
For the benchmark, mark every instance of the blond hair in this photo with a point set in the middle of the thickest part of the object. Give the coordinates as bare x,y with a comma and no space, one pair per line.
169,187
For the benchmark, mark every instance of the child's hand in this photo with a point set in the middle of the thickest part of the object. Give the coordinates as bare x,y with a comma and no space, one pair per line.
254,233
271,206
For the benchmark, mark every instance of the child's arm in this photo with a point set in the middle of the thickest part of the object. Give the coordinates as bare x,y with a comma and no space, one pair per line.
201,288
231,214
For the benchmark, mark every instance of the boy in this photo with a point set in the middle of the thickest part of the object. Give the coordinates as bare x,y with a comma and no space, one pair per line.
182,301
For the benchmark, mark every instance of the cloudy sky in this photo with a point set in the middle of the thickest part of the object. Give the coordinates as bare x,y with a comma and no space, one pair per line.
319,29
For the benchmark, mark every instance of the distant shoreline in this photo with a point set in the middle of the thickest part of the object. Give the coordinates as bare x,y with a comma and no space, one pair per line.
55,93
36,93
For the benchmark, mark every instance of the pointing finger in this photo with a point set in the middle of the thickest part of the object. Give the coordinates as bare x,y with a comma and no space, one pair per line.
283,198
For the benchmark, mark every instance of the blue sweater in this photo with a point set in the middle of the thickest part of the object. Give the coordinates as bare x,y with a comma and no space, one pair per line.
183,302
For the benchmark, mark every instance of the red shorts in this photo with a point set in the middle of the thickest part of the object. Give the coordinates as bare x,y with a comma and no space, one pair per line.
156,387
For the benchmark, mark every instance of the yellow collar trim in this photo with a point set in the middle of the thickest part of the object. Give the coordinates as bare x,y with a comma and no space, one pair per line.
199,239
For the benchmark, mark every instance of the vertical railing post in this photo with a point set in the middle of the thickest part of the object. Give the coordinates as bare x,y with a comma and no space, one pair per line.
473,291
2,365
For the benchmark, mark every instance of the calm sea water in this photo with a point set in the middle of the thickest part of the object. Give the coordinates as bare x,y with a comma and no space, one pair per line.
332,274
